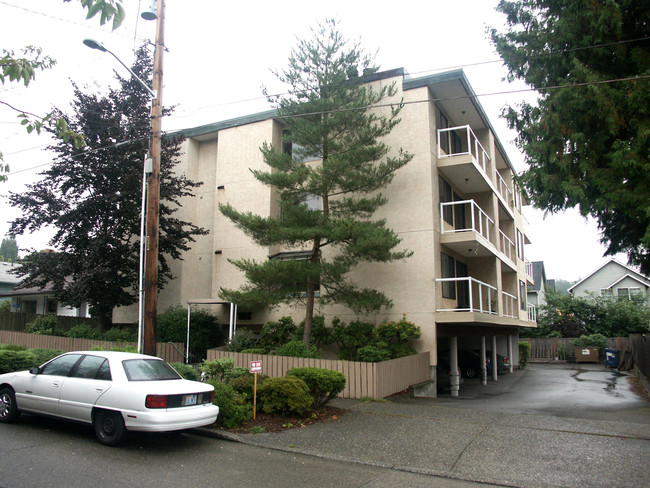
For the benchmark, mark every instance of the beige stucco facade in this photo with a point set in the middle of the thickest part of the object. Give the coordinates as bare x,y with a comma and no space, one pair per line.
485,235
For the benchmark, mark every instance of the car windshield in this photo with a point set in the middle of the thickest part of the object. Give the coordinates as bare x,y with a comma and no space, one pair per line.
149,370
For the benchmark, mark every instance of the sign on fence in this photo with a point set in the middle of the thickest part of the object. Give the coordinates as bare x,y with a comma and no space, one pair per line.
256,367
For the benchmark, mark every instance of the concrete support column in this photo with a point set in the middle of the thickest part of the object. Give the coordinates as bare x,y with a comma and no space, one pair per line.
483,366
453,366
510,352
493,358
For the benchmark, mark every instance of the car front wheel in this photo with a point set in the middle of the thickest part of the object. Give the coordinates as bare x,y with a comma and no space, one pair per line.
8,410
109,427
470,372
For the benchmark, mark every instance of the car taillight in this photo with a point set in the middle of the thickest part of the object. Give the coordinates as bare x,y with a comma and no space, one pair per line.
212,396
156,401
505,360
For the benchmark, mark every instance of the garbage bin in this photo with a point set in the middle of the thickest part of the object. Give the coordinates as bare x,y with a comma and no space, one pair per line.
611,358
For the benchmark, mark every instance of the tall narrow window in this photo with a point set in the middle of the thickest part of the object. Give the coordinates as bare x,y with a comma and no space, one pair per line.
448,270
462,285
522,295
446,195
520,245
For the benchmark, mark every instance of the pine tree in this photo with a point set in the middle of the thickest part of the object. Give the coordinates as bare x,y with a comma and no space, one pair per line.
586,139
9,250
327,184
92,198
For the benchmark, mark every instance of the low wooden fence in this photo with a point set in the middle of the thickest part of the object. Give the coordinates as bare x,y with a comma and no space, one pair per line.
17,321
168,351
561,348
373,380
641,353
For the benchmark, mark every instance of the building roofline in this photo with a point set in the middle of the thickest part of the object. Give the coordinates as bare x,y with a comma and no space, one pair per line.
610,260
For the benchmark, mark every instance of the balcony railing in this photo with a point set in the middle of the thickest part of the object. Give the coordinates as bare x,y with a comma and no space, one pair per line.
510,305
505,190
455,141
471,295
507,247
529,268
532,313
479,221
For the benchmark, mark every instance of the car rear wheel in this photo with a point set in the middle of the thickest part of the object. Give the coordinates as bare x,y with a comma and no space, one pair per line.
8,410
109,427
470,372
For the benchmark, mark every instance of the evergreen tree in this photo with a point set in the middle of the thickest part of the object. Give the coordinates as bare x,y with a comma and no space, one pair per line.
9,250
92,198
337,161
586,139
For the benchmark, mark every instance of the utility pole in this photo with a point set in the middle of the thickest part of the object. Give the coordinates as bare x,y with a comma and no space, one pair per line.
153,192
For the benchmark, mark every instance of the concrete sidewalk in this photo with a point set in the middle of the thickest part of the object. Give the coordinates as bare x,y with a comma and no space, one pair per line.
456,438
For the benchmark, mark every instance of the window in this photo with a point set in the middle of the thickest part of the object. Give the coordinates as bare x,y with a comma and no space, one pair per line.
608,292
446,195
296,150
61,366
448,270
450,142
300,287
51,305
522,295
28,306
90,367
628,292
149,370
520,245
462,286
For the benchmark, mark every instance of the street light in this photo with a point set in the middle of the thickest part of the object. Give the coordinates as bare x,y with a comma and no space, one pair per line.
91,43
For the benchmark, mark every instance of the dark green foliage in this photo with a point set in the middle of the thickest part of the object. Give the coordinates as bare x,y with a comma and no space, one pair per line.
233,410
254,350
121,334
350,337
243,339
586,145
217,369
186,371
274,334
13,347
397,336
373,353
205,332
285,396
9,250
5,306
44,355
43,324
297,349
324,385
591,340
245,384
16,360
91,196
321,335
524,354
84,331
323,78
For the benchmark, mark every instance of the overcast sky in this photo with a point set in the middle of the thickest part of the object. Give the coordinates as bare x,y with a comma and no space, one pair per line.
220,54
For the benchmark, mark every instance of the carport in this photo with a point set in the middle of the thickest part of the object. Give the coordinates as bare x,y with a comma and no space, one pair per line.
210,301
479,337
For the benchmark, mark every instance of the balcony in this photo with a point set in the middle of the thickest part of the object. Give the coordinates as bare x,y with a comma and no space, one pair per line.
510,305
532,312
470,295
507,247
466,228
529,269
463,159
505,191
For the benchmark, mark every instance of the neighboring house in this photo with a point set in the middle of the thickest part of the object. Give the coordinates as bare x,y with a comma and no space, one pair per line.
537,291
7,280
455,205
41,301
613,279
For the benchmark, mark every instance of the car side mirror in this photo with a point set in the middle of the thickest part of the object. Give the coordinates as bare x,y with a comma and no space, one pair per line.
35,370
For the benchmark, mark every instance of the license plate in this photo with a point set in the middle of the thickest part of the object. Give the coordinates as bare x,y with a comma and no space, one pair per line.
189,400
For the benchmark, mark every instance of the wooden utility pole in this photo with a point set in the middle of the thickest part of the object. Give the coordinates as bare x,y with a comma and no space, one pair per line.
153,192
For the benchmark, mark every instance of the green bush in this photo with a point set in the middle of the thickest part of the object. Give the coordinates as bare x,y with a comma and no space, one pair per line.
43,324
350,337
373,354
13,347
44,355
5,306
121,334
321,335
217,369
243,339
524,354
233,410
254,350
274,334
234,373
186,371
245,384
285,396
592,340
84,331
297,349
15,360
324,385
205,332
115,348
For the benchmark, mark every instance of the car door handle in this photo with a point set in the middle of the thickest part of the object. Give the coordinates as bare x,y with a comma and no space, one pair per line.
55,383
99,389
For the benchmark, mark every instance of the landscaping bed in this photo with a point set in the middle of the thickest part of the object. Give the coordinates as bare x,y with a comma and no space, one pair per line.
277,423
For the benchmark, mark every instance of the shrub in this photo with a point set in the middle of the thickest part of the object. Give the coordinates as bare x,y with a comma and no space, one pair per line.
287,395
15,360
13,347
350,338
233,410
44,355
43,324
186,371
217,369
524,354
297,349
84,331
115,348
243,339
373,354
205,332
274,334
245,384
121,334
254,350
323,384
5,306
592,340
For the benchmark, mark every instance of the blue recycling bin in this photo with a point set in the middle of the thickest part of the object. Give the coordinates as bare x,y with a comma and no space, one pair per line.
611,358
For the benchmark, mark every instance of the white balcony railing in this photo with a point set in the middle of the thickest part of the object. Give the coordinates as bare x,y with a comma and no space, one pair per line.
471,295
510,304
462,140
507,247
505,190
479,221
532,312
529,268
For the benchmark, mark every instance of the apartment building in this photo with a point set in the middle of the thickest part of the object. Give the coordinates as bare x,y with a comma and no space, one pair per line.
455,205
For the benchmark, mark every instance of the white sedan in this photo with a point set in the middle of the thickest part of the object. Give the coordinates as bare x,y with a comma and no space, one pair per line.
114,391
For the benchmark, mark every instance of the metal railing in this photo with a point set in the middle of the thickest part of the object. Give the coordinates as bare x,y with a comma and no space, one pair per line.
505,190
510,304
529,268
479,221
479,295
507,247
468,145
532,312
